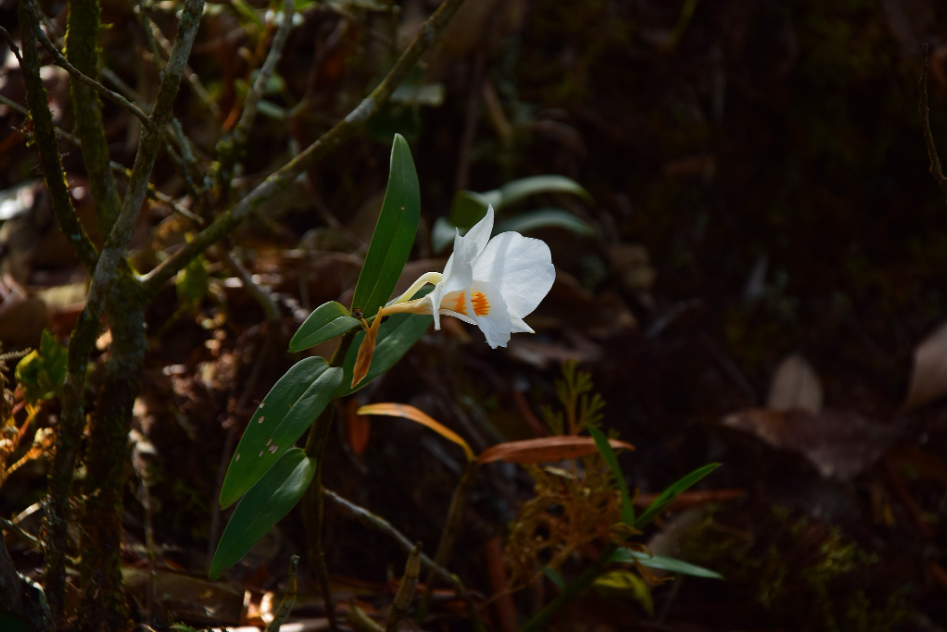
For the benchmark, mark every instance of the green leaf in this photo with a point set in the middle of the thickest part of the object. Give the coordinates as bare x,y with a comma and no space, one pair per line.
326,322
545,218
628,556
671,493
43,372
395,337
515,191
193,284
467,208
394,233
601,441
442,234
286,412
555,578
263,506
625,584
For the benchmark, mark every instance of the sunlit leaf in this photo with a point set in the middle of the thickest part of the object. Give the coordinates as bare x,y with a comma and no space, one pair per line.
629,556
325,323
396,335
604,446
545,218
672,492
192,284
545,449
286,412
43,371
262,507
625,585
394,233
418,416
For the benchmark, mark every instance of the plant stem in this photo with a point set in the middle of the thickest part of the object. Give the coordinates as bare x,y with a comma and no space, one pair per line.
583,581
314,500
936,169
452,527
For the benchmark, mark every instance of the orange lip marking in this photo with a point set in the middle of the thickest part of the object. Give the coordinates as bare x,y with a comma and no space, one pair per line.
480,304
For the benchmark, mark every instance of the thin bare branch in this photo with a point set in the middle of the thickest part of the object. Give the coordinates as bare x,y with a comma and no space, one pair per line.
374,521
242,129
62,62
936,169
329,141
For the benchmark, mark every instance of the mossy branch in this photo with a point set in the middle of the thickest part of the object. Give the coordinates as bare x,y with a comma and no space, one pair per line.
329,141
82,51
936,169
44,136
75,73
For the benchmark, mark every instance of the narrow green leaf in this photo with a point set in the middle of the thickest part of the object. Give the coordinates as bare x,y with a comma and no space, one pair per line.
671,493
286,412
325,323
395,337
628,556
263,506
394,233
601,441
555,578
545,218
515,191
467,208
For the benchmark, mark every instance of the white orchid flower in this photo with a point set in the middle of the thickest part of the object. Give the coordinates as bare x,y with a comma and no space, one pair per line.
491,283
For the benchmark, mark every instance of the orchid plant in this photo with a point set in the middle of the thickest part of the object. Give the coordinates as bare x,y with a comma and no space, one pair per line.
491,282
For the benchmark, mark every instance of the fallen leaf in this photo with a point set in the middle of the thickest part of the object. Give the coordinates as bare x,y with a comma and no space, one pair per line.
929,379
841,444
795,386
545,449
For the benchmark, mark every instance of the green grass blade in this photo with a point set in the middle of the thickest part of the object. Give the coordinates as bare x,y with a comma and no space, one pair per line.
627,508
671,493
628,556
545,218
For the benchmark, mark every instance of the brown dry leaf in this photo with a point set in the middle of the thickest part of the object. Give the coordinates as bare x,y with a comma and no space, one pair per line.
357,429
795,386
929,379
545,449
366,351
418,416
841,444
184,596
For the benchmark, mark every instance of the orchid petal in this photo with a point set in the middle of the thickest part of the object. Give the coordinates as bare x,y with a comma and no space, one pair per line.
520,268
520,326
494,319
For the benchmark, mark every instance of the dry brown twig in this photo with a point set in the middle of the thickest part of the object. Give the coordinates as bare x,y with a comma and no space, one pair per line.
936,169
